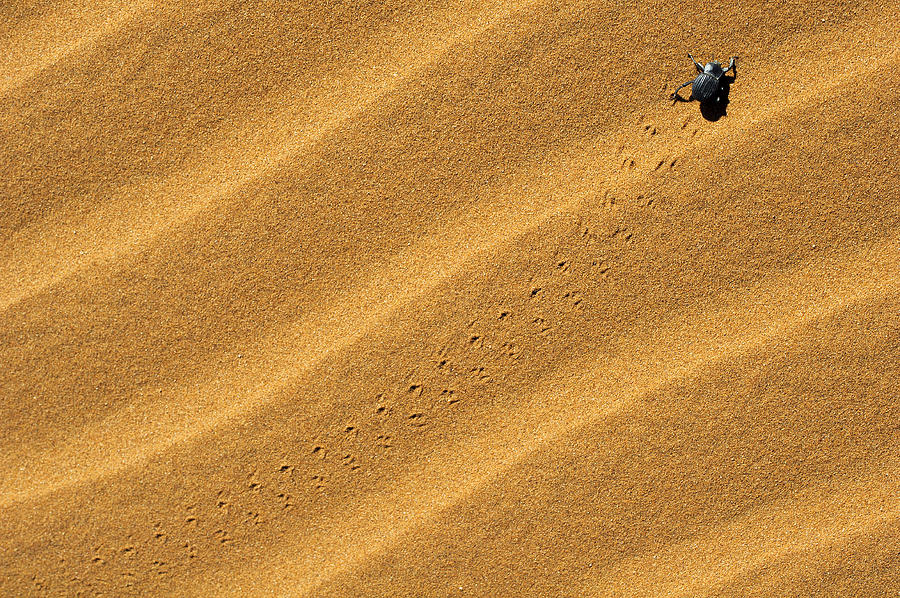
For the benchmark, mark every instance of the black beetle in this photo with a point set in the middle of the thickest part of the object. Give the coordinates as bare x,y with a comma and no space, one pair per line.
708,84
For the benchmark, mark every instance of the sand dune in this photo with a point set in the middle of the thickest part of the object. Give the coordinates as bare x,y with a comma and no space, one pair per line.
447,298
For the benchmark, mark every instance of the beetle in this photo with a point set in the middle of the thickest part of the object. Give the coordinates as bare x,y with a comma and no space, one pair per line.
708,84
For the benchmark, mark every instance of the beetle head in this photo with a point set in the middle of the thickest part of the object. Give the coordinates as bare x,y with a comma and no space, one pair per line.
714,68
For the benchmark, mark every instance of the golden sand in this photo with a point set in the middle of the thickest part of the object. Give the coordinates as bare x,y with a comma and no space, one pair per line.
448,299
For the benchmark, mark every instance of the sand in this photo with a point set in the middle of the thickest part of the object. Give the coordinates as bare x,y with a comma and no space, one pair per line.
401,298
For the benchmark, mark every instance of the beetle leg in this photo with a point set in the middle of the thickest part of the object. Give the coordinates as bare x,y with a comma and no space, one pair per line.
696,64
730,65
675,95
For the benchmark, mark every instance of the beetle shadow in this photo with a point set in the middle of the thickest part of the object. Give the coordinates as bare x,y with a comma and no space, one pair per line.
714,110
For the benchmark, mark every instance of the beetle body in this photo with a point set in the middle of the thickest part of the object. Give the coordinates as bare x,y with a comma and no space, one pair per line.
707,86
